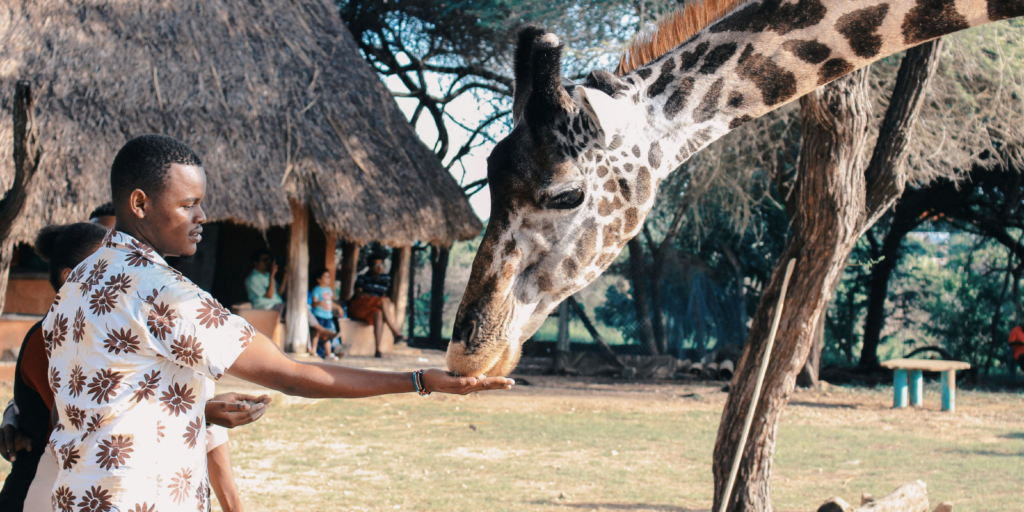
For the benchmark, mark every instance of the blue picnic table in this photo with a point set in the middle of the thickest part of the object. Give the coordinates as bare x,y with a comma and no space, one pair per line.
948,370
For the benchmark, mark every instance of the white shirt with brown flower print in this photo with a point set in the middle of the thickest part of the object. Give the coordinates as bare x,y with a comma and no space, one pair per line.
131,344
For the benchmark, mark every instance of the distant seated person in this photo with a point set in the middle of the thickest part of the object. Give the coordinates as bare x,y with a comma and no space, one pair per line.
1017,345
261,285
325,310
370,303
103,215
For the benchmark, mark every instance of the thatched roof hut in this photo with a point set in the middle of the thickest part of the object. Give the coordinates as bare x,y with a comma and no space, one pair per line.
272,94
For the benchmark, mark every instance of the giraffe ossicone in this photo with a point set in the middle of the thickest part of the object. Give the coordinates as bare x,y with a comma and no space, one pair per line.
578,174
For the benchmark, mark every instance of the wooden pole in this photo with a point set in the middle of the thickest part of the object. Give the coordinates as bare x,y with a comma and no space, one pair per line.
757,388
412,292
329,261
899,389
400,258
349,269
916,387
949,390
27,155
296,319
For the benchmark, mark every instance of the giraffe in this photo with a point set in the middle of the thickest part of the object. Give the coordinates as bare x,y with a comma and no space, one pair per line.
578,174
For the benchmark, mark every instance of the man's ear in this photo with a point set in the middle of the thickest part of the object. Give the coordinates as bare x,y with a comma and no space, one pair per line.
607,114
137,203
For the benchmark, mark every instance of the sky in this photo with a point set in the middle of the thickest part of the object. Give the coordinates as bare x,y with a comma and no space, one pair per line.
467,111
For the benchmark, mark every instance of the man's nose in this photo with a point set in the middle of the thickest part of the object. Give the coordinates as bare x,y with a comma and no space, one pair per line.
201,216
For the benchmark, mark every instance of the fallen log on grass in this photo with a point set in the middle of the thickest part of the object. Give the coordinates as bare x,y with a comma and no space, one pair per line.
725,370
696,369
909,497
710,371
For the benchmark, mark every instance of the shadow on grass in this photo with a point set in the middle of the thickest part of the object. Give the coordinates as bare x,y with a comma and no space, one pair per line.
618,506
985,453
1012,435
822,406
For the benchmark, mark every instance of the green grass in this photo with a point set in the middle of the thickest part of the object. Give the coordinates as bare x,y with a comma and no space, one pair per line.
556,449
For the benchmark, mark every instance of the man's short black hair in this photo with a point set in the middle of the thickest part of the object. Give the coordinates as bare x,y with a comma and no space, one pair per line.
104,210
258,253
143,162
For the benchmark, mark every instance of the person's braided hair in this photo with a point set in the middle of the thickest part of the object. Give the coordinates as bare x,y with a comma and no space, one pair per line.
66,245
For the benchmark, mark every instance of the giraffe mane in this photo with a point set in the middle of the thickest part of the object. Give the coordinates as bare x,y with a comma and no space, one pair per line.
672,30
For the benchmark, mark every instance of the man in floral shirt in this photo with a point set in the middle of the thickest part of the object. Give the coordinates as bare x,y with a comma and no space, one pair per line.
131,343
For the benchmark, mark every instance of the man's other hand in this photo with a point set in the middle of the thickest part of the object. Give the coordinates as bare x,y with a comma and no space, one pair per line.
12,442
436,379
231,410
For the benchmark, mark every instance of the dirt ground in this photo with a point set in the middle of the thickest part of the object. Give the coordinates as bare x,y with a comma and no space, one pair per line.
563,444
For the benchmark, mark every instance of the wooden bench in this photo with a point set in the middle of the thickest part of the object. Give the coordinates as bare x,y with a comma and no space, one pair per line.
916,367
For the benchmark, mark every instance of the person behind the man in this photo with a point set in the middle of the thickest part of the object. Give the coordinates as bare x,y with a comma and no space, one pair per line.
261,284
103,215
133,343
370,302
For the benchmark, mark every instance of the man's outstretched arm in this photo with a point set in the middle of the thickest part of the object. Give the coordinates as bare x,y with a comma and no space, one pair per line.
265,364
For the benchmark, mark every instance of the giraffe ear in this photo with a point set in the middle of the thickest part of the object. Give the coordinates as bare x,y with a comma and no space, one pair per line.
523,69
606,114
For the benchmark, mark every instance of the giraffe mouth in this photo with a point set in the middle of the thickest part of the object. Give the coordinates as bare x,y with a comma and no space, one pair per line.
486,341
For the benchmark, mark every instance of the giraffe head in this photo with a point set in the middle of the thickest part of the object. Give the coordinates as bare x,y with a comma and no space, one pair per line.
567,193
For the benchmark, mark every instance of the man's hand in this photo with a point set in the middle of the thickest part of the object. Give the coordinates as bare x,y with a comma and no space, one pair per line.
436,379
230,410
273,269
12,442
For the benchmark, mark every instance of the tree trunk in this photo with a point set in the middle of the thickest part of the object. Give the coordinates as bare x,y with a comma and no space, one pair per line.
811,371
833,202
641,297
562,346
27,154
657,306
296,318
881,273
439,267
828,204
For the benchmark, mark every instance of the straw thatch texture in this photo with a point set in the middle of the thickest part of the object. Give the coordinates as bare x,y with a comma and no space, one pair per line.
264,90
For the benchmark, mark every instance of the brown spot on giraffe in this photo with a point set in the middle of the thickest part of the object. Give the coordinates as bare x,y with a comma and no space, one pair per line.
677,101
632,217
628,167
611,186
735,100
654,155
773,15
690,59
643,185
860,29
570,268
664,79
610,233
605,207
717,57
811,52
736,122
602,171
509,248
832,70
627,194
930,19
586,246
1002,9
636,151
775,83
544,282
709,105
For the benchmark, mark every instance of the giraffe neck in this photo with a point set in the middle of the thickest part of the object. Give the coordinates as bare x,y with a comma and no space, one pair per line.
765,54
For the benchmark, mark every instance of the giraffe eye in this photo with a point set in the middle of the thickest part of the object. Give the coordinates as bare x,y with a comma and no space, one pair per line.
566,200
